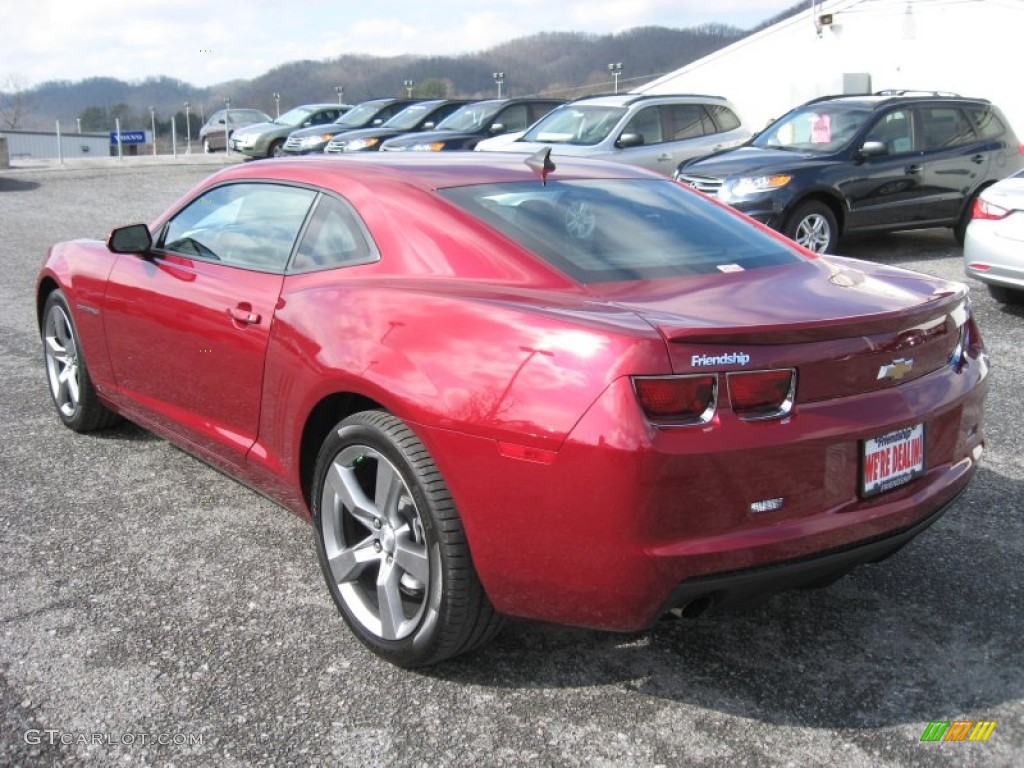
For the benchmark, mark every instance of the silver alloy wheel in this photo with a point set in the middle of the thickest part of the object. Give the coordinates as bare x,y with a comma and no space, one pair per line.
814,233
62,361
375,547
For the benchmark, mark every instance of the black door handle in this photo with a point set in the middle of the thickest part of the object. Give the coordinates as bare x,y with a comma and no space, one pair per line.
913,170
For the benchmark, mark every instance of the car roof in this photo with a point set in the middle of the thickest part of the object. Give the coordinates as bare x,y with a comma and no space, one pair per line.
426,170
880,99
626,99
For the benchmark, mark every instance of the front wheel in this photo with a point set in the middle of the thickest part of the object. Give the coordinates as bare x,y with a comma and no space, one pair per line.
391,545
813,225
276,149
73,394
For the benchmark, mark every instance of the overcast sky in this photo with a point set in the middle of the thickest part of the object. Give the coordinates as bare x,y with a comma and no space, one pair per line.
209,41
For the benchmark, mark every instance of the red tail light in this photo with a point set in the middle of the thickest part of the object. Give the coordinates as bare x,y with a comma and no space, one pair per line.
983,209
677,400
762,394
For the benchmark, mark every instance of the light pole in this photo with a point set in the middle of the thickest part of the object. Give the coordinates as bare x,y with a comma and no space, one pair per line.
277,103
340,90
408,87
227,125
188,127
78,120
616,70
152,121
499,78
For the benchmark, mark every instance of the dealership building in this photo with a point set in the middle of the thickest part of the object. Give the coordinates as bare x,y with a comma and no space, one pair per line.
969,47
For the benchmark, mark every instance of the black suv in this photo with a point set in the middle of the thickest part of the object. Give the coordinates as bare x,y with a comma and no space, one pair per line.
841,165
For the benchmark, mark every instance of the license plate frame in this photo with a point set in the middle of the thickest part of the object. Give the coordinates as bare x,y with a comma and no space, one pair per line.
891,460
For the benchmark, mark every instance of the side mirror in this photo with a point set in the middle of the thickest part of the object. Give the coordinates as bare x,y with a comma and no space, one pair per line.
134,238
377,121
872,149
428,126
220,121
628,140
497,128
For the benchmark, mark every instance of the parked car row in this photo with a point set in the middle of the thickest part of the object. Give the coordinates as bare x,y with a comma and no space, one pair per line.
833,167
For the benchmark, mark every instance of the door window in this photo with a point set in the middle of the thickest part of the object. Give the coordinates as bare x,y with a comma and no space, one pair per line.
895,130
514,118
245,225
946,127
646,122
687,121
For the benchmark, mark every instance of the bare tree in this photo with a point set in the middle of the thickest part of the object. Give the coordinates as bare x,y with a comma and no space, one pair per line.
12,101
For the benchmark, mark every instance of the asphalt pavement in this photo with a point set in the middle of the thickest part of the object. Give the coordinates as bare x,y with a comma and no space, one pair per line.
155,612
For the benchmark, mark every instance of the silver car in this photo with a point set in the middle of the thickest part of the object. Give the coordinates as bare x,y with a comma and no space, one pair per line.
994,243
653,132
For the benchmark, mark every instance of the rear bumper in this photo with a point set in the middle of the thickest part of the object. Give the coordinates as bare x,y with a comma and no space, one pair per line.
752,586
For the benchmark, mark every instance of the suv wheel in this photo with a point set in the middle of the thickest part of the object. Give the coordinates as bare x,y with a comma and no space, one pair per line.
813,225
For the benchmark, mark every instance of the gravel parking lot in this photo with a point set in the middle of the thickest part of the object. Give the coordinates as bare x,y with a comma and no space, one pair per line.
154,612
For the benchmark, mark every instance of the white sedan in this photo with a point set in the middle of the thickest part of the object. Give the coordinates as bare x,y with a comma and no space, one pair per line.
994,244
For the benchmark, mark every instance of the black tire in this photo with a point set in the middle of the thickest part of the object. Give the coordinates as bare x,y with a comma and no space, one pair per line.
813,225
392,548
1005,295
276,148
960,228
67,375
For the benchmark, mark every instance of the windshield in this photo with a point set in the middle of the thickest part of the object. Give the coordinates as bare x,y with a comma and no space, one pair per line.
819,128
294,116
359,116
410,117
617,229
471,117
584,125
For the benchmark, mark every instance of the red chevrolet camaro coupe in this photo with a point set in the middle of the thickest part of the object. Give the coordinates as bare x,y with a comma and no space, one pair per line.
583,394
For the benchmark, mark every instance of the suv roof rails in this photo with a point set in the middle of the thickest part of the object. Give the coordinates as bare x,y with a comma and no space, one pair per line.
633,98
916,92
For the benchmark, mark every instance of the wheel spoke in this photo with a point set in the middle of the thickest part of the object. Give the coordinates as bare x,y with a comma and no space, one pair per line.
411,556
388,491
389,602
342,483
347,564
55,349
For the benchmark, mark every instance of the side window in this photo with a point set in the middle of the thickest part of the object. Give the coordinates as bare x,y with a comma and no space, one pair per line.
945,127
895,130
539,109
253,226
988,124
514,118
322,118
646,122
686,121
334,238
724,117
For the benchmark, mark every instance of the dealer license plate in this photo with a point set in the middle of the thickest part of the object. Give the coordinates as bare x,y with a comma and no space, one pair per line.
892,460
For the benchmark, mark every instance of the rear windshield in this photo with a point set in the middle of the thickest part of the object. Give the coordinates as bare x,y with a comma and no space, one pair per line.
621,229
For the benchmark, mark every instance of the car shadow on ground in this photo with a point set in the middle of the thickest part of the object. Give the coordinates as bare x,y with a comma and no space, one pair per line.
929,633
895,248
17,185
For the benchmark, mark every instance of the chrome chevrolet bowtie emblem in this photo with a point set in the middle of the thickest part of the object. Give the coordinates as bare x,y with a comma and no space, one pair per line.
896,370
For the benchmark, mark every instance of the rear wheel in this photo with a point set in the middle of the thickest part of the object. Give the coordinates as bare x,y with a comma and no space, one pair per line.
813,225
960,228
73,394
391,545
